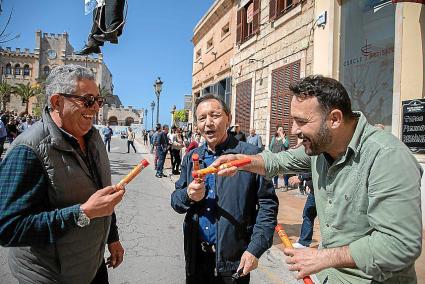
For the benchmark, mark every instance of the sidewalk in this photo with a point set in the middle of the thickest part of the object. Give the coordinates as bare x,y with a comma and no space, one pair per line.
291,204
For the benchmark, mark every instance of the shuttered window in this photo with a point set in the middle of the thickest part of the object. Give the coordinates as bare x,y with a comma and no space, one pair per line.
243,105
281,99
248,21
278,8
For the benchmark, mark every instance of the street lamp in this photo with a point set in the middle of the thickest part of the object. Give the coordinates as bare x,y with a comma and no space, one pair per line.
146,119
153,107
173,110
158,88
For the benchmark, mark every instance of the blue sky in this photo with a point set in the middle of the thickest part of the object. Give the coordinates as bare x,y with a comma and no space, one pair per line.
156,42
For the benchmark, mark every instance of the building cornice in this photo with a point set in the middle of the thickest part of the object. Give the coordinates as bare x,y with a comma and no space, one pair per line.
211,17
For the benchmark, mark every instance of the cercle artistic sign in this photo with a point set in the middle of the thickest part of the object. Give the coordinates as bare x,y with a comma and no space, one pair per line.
413,126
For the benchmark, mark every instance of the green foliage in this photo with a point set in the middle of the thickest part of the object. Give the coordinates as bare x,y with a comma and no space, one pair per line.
27,91
180,115
5,90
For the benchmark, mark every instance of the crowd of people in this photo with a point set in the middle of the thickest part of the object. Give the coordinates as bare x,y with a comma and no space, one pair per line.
11,125
363,184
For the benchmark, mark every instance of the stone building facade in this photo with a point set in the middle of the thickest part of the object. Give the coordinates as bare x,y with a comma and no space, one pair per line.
23,66
274,49
214,46
119,115
269,46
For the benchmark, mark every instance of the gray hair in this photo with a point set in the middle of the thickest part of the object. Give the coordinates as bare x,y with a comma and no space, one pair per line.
63,79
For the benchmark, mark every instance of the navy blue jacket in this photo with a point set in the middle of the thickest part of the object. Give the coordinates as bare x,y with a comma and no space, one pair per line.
246,212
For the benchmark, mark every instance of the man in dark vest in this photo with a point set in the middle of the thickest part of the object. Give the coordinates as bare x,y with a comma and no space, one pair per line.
57,202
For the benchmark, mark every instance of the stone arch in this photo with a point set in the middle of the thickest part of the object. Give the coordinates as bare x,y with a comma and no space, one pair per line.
128,121
113,120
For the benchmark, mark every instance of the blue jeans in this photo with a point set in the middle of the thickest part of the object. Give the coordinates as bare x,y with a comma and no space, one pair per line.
161,161
276,180
309,214
107,142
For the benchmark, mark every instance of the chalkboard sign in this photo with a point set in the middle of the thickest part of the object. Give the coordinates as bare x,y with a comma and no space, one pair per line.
413,131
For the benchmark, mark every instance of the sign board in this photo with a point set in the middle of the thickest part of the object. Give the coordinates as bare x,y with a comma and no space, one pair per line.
413,125
250,13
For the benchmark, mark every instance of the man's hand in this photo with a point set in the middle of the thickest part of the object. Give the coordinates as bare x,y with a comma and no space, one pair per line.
117,254
308,261
102,202
196,190
224,159
294,181
248,262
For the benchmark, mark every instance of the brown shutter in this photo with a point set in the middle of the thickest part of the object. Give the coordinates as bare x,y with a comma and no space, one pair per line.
281,99
256,17
239,26
243,105
272,9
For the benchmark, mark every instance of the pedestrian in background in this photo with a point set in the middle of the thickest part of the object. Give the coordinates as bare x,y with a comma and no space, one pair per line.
254,139
278,144
176,146
162,146
145,137
107,136
130,140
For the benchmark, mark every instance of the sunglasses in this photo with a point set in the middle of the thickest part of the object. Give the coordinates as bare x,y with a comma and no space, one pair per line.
88,101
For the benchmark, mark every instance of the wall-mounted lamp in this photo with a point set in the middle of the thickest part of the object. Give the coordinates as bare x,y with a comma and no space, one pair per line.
214,53
201,63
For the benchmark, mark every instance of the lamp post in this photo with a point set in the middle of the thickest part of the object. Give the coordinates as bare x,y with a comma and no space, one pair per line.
146,119
173,110
153,107
158,88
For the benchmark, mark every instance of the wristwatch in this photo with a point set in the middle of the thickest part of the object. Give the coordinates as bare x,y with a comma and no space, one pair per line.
83,220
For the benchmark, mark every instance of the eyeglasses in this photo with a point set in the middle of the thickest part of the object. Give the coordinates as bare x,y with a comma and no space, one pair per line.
88,101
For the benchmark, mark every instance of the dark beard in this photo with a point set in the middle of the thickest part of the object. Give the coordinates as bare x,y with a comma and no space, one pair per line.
321,141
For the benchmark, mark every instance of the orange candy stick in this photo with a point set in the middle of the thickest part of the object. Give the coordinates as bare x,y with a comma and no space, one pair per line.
211,170
137,169
287,244
195,160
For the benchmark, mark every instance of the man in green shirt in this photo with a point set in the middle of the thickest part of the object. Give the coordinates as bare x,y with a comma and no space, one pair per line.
367,189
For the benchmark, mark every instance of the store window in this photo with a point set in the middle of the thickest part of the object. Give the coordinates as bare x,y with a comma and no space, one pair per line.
367,57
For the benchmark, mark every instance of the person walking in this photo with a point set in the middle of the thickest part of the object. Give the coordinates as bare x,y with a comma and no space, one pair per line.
278,144
176,146
130,140
162,146
145,137
107,136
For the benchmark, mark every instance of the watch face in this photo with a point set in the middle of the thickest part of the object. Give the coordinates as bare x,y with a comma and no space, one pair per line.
51,54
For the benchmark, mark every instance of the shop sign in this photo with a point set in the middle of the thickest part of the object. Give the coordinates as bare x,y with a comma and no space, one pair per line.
413,125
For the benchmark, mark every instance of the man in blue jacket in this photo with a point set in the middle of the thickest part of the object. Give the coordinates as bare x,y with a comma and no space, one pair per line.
229,221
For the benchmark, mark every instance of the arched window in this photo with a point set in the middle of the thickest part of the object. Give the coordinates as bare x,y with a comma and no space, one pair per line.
46,71
26,70
8,69
17,69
